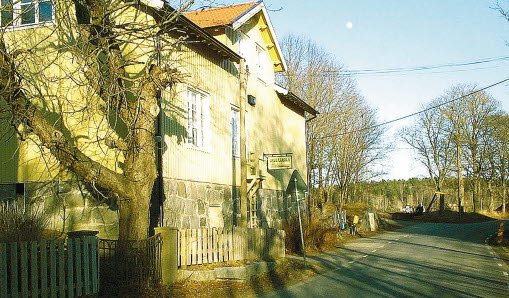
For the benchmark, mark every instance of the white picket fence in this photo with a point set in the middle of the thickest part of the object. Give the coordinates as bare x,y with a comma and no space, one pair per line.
213,245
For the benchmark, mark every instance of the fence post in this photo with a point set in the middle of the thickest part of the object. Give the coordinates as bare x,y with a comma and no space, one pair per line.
168,254
3,269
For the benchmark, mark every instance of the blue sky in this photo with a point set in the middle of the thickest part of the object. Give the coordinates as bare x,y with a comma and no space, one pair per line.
403,33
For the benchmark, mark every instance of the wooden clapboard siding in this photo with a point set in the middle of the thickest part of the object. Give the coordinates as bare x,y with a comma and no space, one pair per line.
208,73
214,245
49,268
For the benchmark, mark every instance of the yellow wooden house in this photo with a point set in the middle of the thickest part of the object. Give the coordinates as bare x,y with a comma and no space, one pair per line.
227,133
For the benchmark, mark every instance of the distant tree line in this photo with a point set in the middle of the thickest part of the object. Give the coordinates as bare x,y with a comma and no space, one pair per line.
461,138
464,134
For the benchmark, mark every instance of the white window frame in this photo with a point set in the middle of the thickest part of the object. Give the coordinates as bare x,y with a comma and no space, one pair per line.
198,119
19,7
235,127
261,65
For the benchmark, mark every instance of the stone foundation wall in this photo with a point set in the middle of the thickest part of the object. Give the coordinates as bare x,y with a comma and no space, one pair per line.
187,205
69,206
192,205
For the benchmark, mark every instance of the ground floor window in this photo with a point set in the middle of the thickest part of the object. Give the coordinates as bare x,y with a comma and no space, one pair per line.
198,118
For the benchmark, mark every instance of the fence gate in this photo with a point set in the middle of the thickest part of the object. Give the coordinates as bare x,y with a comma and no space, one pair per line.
130,264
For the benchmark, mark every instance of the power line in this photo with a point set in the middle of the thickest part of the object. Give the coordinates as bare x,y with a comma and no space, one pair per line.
405,70
428,67
413,114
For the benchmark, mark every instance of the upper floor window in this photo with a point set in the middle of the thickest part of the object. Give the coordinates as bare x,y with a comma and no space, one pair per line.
261,63
25,12
198,119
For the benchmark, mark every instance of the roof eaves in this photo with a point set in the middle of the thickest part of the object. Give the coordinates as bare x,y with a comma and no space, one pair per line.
208,38
245,12
211,38
291,97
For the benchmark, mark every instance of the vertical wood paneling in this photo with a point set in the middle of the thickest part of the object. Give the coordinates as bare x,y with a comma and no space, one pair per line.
34,269
14,269
77,258
61,268
53,268
209,246
48,268
24,269
95,264
220,244
3,269
200,246
208,73
44,268
86,264
70,268
213,245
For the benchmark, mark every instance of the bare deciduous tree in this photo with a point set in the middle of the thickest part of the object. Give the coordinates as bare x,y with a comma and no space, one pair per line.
344,141
85,90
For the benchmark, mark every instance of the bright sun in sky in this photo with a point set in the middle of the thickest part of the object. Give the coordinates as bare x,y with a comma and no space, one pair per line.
349,25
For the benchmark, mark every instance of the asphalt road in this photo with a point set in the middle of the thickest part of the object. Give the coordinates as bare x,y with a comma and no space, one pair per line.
424,260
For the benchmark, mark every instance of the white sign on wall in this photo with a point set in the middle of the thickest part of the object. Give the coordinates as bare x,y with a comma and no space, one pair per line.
279,161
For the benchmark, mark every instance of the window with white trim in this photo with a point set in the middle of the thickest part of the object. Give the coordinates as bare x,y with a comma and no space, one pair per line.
17,13
261,63
198,119
235,122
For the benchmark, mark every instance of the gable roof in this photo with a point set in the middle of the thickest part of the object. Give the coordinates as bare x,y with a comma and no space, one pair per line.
235,16
219,16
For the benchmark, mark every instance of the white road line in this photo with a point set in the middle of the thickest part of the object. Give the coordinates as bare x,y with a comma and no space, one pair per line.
505,273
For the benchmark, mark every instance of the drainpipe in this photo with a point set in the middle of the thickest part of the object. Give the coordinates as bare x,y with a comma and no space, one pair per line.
159,144
243,149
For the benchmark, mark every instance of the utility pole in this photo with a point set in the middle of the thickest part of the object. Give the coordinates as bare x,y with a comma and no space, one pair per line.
300,221
503,178
461,190
243,149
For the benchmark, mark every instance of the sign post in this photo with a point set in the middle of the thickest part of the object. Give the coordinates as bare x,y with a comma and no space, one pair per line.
300,221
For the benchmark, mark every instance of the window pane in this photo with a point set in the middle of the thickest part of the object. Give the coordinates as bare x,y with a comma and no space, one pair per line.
235,133
6,15
28,14
45,11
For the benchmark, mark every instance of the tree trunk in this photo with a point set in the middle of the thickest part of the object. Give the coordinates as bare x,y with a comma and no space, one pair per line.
134,217
504,193
461,190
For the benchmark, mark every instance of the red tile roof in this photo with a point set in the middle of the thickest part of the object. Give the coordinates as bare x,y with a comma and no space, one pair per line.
218,16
